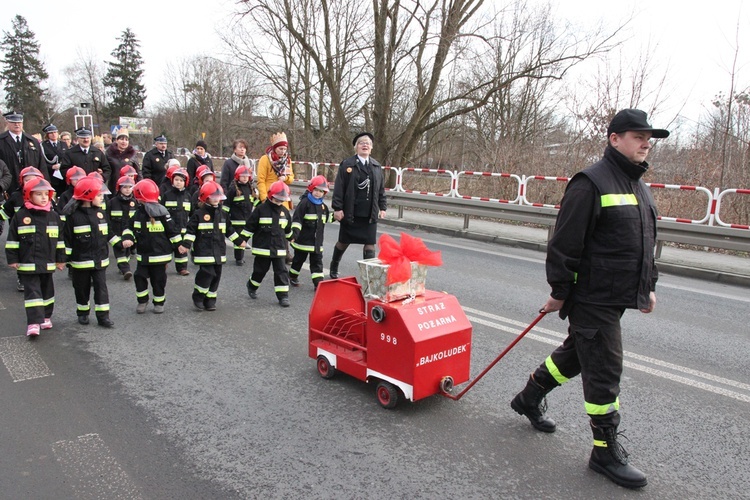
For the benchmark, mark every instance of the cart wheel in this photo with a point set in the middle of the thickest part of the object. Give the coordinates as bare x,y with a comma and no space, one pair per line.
324,367
387,394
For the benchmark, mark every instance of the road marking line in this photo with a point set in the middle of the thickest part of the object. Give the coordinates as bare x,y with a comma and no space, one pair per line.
703,292
22,360
630,364
91,469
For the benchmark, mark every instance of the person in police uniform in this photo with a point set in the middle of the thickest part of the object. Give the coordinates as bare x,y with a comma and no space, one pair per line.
53,150
600,262
86,156
19,150
155,161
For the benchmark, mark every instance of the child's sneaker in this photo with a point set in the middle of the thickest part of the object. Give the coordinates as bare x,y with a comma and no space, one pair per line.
158,308
293,281
127,275
32,331
141,307
47,324
284,302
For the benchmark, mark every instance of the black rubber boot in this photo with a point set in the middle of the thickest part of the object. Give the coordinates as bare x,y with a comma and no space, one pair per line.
609,458
368,254
531,403
334,267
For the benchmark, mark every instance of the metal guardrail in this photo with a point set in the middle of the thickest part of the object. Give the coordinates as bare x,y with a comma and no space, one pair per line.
677,232
725,236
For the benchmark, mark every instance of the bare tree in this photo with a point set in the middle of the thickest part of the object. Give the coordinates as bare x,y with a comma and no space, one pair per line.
207,96
414,71
84,83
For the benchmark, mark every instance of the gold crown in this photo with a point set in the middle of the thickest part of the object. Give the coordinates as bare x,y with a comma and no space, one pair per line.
277,138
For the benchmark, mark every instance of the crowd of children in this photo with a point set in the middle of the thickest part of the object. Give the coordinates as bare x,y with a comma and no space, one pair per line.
156,224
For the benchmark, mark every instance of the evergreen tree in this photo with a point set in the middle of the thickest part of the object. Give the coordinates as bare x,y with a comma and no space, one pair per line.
24,75
122,82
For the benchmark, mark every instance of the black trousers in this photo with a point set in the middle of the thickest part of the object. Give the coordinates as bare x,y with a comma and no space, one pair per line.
316,265
38,296
83,279
280,274
207,281
123,258
157,275
592,349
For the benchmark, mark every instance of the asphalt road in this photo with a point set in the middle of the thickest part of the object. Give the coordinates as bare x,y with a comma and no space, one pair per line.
227,404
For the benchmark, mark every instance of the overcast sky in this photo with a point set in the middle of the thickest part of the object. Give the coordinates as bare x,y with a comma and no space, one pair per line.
694,40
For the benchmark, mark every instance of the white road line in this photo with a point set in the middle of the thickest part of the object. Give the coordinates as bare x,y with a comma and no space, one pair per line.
22,360
720,295
92,471
682,370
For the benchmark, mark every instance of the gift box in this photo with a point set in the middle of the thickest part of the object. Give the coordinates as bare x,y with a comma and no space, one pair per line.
373,276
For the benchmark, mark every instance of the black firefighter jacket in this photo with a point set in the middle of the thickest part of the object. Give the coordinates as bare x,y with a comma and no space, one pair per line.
269,226
34,241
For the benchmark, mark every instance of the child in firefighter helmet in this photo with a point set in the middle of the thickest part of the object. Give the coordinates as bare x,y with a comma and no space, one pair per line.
16,200
241,198
177,200
121,208
157,238
34,250
87,241
308,225
205,237
270,226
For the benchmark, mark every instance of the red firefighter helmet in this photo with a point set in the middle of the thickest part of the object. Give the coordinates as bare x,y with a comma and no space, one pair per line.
318,182
96,175
37,184
209,189
203,171
88,188
128,170
28,171
279,191
124,181
74,173
182,173
172,169
146,191
243,170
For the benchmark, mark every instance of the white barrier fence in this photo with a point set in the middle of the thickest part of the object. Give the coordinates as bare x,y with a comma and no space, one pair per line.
448,184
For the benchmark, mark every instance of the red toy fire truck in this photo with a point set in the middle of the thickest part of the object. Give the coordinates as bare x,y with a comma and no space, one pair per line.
411,348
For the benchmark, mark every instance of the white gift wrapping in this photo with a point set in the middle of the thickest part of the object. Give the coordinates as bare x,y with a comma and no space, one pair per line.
373,275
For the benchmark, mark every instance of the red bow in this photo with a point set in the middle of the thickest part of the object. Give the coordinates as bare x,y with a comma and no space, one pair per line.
400,256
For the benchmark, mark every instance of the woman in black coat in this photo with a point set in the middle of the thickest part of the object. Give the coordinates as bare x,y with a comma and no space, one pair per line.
358,201
120,154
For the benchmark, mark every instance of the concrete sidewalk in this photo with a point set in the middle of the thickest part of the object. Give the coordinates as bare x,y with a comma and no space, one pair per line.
724,268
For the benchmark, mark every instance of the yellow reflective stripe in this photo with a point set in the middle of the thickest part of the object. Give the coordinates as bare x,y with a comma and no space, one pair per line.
189,237
205,225
101,307
115,213
53,231
81,229
12,244
160,258
265,220
104,228
33,303
60,244
592,409
554,371
141,294
170,204
200,289
157,227
26,267
50,266
203,260
281,288
311,217
600,444
296,225
186,205
317,275
176,238
261,251
614,200
304,248
26,229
